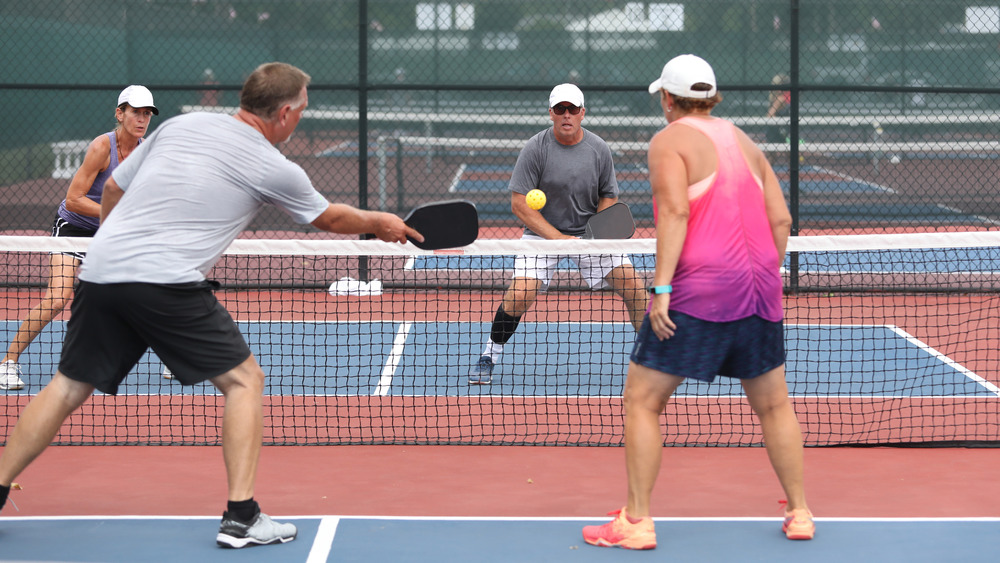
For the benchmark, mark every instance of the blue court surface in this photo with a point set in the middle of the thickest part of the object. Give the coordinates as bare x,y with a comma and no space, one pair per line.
418,540
586,360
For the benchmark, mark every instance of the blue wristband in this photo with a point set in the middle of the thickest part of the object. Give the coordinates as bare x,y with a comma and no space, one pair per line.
657,289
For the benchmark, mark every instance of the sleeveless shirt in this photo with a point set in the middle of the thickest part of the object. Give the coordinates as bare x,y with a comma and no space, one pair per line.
728,267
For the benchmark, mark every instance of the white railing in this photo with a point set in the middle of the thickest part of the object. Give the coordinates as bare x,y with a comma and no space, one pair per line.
69,157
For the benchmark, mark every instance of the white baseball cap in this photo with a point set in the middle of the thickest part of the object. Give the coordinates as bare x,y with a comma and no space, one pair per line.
138,97
681,73
566,93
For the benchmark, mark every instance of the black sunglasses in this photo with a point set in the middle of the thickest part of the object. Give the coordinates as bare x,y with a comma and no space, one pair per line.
559,110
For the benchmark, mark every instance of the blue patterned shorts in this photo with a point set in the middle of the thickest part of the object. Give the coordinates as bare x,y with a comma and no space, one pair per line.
702,350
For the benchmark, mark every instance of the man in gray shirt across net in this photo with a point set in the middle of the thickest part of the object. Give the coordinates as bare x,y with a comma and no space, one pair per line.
167,215
574,168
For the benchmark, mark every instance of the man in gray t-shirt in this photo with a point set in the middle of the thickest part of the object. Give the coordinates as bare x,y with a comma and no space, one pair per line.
178,201
574,168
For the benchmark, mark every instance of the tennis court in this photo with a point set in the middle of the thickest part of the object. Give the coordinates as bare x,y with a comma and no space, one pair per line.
376,446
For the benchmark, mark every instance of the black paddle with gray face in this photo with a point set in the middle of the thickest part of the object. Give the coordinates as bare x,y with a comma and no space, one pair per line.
444,224
614,222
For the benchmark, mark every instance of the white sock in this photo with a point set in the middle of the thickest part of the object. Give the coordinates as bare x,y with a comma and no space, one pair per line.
493,350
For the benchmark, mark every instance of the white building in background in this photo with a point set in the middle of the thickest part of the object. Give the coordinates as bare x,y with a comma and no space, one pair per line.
446,16
627,28
631,27
982,19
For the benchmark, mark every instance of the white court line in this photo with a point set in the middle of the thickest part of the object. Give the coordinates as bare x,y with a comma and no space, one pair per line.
325,152
849,178
957,211
457,179
321,546
392,362
946,360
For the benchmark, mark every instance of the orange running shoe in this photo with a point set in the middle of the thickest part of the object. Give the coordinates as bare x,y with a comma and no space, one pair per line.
622,533
799,525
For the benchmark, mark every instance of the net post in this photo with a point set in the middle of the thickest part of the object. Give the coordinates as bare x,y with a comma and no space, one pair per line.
793,150
363,122
793,114
793,272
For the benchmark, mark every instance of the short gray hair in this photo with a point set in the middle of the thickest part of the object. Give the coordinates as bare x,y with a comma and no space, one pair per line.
272,85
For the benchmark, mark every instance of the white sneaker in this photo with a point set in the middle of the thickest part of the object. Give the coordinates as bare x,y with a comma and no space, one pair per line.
262,531
167,374
10,376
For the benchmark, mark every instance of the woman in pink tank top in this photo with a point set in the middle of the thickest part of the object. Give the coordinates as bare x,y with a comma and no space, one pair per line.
715,307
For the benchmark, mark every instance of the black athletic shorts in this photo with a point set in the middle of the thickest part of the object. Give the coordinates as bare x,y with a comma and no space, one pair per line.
701,349
112,325
63,228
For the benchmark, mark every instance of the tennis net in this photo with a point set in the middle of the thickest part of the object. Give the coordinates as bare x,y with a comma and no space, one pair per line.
891,339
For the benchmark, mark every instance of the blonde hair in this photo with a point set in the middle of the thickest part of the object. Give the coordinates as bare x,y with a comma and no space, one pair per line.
272,85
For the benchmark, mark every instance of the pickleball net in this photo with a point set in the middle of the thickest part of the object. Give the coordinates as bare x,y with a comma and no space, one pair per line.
890,339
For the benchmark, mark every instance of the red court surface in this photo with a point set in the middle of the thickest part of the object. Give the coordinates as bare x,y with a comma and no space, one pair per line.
506,481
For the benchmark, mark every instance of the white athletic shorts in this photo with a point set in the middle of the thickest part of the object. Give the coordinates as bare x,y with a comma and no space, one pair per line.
593,267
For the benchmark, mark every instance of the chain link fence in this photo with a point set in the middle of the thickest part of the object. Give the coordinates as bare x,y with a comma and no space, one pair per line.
877,115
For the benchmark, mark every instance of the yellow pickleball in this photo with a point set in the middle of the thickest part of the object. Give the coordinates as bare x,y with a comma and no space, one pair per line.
535,199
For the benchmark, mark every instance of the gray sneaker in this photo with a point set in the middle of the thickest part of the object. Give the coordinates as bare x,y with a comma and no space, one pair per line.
482,372
10,376
262,531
